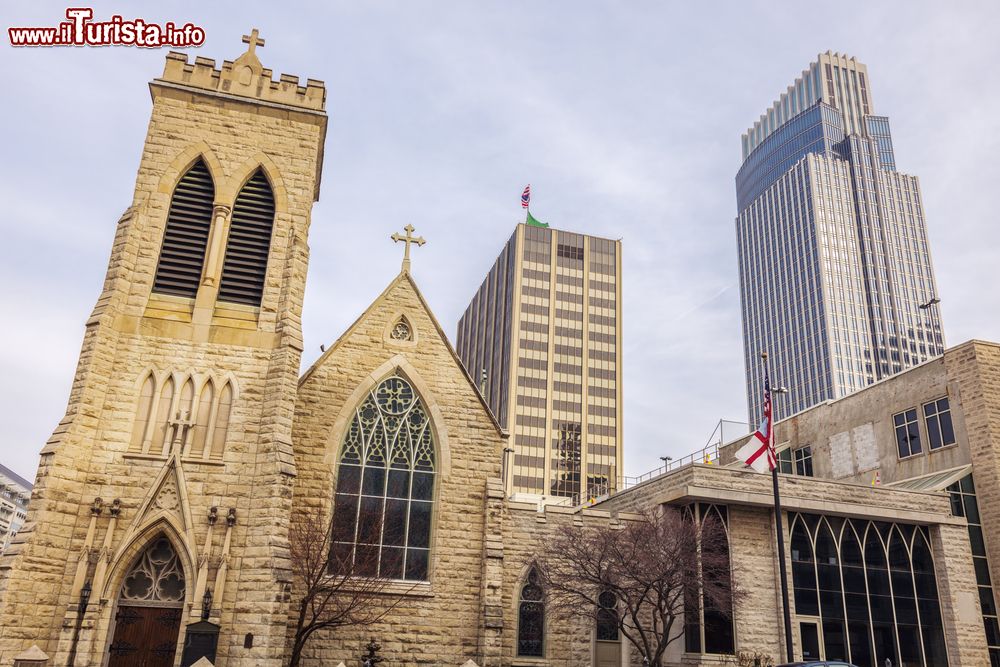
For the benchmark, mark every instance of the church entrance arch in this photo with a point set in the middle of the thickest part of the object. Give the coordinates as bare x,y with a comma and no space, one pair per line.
149,609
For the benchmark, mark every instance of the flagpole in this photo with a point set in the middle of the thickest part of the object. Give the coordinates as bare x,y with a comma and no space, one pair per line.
780,531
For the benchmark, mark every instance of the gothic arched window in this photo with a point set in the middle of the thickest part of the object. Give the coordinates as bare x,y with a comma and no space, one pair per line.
249,243
185,237
385,487
607,617
156,576
531,617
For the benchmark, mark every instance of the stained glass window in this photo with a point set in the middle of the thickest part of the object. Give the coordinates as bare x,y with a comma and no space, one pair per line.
607,617
531,618
385,485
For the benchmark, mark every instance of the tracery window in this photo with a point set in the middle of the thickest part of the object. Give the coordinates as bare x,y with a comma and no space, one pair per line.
156,577
531,617
865,591
401,330
385,487
185,235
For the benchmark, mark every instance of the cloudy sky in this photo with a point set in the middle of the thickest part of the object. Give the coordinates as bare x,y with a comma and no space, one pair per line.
624,117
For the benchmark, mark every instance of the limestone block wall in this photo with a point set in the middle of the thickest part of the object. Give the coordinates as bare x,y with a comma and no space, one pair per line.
131,332
438,622
974,370
962,615
527,529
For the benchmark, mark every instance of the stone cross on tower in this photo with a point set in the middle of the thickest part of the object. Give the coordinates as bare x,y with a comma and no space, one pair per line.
408,239
253,40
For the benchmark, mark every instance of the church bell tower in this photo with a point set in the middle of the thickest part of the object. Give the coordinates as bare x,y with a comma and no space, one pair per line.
158,524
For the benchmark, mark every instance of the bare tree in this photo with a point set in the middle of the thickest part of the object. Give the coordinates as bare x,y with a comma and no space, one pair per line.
335,587
650,567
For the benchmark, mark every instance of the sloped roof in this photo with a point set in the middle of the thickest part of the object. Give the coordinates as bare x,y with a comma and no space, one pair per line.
935,481
405,276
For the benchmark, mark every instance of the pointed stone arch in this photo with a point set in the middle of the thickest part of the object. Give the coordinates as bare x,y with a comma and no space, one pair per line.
245,171
139,539
146,386
531,627
147,619
399,331
387,474
249,240
201,417
400,365
150,512
184,231
184,161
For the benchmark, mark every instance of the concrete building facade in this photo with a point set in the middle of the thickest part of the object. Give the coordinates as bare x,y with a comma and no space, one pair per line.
543,335
14,494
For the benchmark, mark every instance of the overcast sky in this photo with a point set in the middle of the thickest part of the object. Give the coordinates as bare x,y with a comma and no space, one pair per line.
624,117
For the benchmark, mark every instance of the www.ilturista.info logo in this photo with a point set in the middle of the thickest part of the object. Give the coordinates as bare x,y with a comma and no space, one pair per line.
79,30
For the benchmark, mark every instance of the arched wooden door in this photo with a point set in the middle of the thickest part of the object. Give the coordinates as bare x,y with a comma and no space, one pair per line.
150,603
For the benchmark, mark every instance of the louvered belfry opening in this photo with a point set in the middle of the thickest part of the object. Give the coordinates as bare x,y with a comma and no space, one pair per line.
186,235
249,243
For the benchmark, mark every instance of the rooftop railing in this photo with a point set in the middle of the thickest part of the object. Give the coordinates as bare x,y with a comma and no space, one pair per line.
708,454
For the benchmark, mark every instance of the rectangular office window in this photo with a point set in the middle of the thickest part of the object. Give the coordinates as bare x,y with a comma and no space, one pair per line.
907,433
940,432
804,461
785,461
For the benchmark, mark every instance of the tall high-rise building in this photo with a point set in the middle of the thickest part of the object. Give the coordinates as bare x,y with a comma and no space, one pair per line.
543,337
835,270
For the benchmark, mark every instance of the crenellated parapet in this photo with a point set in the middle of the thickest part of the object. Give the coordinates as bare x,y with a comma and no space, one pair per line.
244,77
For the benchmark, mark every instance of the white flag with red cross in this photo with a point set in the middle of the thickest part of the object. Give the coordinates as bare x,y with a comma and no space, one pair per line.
758,453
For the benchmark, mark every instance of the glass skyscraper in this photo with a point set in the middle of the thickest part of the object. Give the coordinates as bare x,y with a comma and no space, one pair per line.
832,243
542,336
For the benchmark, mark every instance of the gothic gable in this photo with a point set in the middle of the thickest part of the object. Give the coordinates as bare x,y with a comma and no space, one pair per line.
456,446
398,331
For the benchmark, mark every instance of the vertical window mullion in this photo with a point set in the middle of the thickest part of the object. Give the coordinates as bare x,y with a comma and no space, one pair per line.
916,598
357,514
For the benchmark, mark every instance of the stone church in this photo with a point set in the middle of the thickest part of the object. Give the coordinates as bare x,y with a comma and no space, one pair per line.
191,448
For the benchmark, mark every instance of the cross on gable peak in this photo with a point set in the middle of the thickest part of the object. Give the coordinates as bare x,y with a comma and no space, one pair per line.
407,240
253,40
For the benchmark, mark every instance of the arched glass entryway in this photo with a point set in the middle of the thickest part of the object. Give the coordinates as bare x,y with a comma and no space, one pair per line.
150,603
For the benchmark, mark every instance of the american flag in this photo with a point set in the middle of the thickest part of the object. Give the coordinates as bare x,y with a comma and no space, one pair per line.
758,453
526,196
